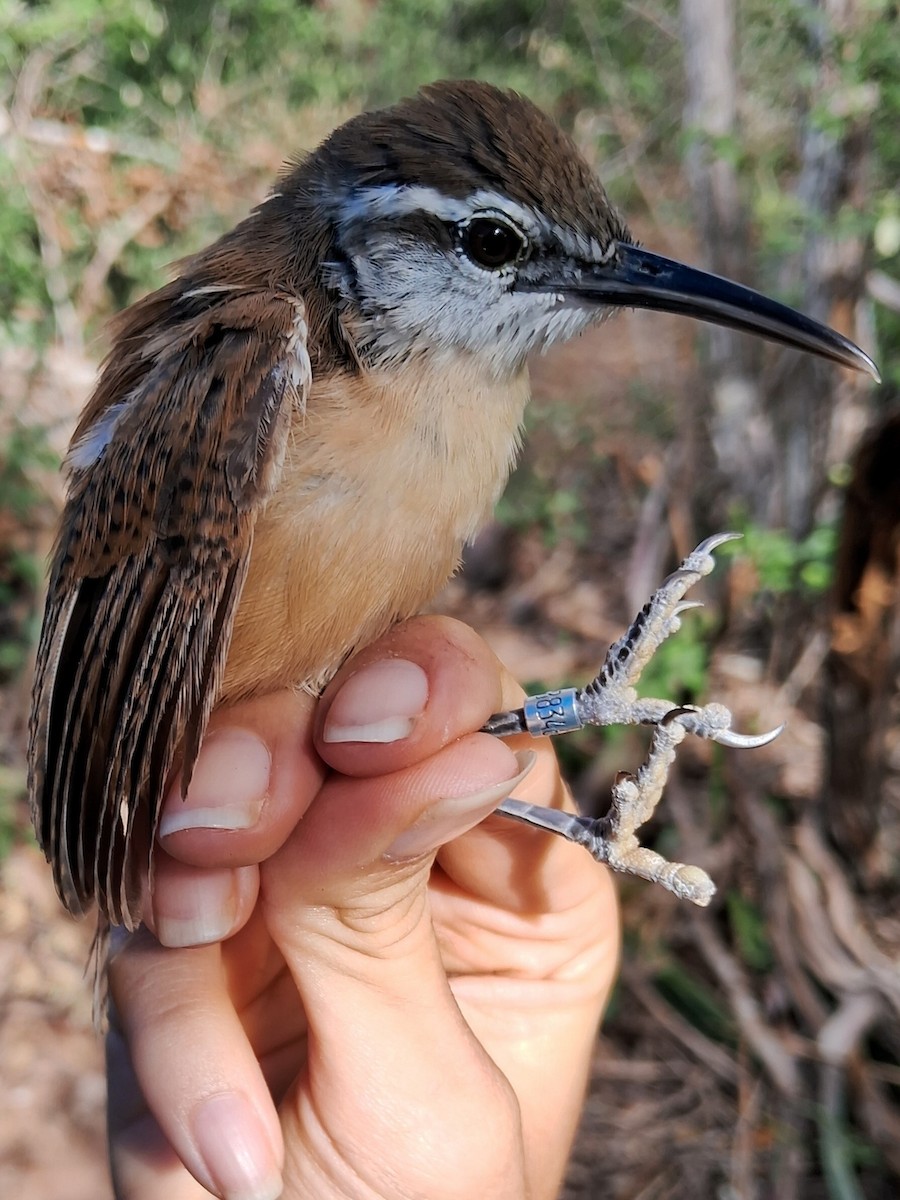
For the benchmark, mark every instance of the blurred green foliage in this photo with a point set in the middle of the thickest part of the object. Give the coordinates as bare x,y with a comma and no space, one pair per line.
678,669
341,51
533,501
695,1000
23,450
779,43
13,829
782,563
748,931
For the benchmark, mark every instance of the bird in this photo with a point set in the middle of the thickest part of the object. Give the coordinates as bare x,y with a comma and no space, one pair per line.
291,442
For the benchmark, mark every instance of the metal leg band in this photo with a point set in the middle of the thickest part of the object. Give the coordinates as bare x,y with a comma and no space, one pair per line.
552,713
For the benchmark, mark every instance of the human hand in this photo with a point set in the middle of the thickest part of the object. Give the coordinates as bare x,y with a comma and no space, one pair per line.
389,1001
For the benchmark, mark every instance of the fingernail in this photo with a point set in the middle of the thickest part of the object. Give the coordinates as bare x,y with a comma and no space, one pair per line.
379,703
200,907
235,1148
228,787
454,815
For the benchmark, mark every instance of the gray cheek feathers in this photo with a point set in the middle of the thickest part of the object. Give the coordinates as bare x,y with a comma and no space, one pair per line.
413,296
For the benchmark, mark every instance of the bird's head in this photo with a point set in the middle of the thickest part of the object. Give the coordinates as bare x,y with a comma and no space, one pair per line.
465,221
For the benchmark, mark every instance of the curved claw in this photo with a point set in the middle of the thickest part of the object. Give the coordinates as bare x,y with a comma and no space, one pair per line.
745,741
685,605
717,539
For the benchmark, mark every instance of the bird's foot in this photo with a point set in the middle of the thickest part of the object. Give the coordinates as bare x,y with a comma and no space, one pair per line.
611,699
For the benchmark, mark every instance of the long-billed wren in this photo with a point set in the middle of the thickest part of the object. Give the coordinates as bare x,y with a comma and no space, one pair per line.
290,444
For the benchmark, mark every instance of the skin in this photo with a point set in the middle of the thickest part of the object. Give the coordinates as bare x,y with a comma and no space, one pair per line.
416,1024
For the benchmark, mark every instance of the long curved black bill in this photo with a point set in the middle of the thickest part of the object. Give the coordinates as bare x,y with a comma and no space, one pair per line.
635,278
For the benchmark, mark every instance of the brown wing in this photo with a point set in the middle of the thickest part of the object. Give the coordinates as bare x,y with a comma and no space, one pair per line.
179,448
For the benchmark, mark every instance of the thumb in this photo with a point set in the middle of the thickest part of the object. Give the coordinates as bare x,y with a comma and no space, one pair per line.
346,901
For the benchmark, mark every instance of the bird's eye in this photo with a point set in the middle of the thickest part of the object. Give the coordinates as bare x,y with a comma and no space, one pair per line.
490,243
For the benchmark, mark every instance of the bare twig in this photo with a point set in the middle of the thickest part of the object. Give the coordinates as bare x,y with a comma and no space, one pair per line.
43,131
847,1026
695,1043
884,288
777,1060
877,969
750,1095
807,668
68,326
111,241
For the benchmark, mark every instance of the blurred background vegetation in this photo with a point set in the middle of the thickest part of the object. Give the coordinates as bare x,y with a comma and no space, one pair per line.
752,1050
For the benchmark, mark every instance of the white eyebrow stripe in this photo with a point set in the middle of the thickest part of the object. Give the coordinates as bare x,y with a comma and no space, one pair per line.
401,200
